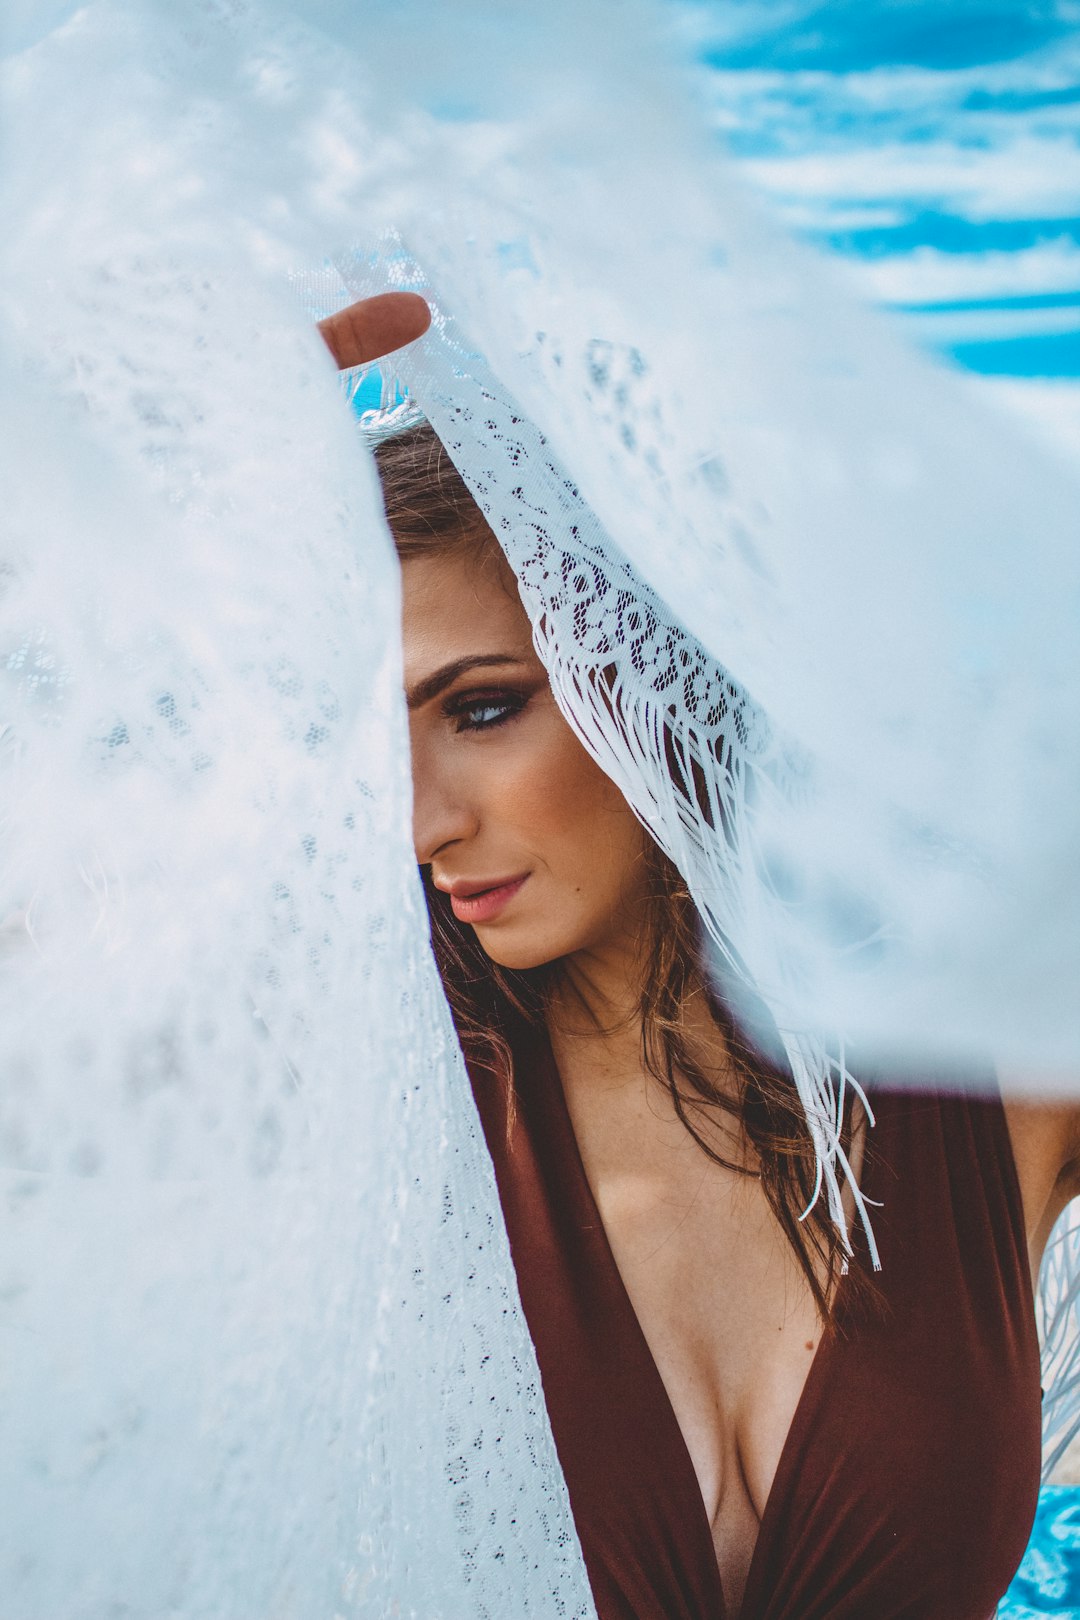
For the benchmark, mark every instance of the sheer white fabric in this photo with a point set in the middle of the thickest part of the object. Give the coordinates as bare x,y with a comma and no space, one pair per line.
656,709
261,1343
693,754
262,1347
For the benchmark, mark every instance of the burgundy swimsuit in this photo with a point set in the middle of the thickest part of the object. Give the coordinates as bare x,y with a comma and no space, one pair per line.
907,1486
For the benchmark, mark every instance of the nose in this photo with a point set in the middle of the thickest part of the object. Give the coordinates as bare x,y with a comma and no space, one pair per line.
444,811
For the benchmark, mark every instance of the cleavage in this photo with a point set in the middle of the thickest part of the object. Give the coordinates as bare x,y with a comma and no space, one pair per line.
731,1326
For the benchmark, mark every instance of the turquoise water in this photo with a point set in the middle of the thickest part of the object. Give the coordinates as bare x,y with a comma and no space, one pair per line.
1048,1581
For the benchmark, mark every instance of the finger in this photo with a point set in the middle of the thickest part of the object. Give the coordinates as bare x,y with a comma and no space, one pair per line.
374,327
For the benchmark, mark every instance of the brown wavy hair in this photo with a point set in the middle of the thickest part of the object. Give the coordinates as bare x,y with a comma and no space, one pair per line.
430,512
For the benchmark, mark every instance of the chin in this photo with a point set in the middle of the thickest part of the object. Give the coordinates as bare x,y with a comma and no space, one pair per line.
519,955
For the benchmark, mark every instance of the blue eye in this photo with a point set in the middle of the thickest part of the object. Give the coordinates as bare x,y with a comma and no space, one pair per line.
471,713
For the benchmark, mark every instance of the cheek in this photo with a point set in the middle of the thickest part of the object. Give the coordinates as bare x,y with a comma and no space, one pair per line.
581,825
577,833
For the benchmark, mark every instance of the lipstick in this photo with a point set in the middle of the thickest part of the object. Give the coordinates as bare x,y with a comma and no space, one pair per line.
473,905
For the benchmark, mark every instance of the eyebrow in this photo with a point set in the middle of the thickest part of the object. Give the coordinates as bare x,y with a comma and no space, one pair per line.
433,684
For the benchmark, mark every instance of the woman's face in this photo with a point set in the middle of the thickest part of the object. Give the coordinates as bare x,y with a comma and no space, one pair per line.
538,850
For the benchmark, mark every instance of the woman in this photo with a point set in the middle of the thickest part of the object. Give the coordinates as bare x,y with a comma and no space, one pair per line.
747,1424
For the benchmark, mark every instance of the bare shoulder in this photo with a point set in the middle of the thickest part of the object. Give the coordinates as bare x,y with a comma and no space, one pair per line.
1045,1136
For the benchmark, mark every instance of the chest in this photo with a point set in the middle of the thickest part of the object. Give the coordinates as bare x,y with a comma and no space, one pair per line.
731,1324
725,1309
715,1465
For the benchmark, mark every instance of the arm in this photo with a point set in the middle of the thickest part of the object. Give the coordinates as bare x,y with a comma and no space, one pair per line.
1045,1137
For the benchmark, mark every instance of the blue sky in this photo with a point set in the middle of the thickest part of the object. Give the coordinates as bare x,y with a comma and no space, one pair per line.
934,146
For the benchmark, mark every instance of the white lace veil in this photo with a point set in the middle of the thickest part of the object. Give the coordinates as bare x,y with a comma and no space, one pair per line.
261,1339
693,754
689,749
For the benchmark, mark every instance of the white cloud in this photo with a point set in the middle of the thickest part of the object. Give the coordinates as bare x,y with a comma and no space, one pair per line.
928,275
983,325
921,89
797,113
900,91
824,215
1027,178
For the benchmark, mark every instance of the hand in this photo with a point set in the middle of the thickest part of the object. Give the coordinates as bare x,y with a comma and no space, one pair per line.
374,326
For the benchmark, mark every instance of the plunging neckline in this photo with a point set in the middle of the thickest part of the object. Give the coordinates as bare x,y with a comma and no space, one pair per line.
800,1419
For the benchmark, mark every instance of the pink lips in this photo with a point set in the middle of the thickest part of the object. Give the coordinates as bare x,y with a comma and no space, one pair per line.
483,905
